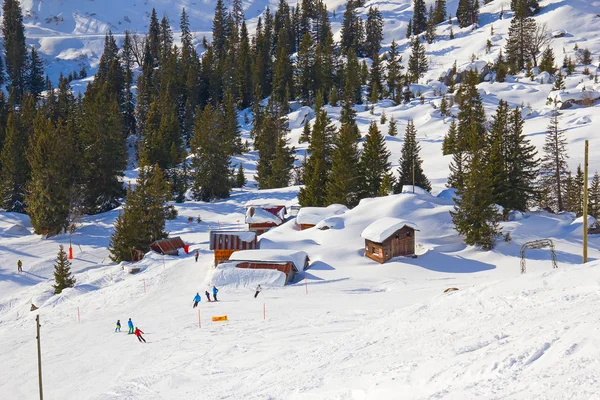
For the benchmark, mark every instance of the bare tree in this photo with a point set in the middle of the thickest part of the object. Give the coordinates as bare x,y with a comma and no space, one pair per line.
541,39
138,43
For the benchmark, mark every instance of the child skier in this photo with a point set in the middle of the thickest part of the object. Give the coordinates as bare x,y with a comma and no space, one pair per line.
207,295
130,325
19,266
196,255
197,299
258,289
138,333
118,328
215,291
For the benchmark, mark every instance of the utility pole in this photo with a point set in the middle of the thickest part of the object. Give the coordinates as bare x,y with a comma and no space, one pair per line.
585,204
39,351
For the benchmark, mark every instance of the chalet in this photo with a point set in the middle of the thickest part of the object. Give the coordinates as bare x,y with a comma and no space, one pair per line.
290,262
389,237
223,243
169,246
308,217
262,218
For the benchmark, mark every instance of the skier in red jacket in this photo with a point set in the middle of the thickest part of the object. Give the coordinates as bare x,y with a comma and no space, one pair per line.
138,333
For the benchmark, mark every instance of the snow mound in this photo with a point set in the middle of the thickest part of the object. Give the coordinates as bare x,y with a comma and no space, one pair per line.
583,120
414,189
228,275
313,215
330,223
297,257
447,194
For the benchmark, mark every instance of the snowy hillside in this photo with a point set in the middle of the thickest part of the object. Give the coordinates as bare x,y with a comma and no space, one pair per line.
347,328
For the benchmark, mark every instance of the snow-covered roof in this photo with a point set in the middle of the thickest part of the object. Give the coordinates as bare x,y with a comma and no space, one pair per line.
258,215
298,257
245,236
384,227
313,215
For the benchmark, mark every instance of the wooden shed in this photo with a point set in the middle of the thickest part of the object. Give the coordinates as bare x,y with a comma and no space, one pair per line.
389,237
262,218
290,262
169,246
223,243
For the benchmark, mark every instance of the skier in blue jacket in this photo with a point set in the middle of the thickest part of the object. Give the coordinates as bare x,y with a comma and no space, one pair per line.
130,325
197,299
215,291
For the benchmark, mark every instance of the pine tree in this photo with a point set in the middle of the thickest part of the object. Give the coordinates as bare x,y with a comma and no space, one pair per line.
559,82
305,73
352,31
474,213
210,159
467,13
375,78
393,127
417,62
526,8
554,168
440,12
316,168
419,20
243,73
15,171
374,161
143,218
394,72
352,86
496,153
519,43
411,164
240,178
15,52
409,29
430,33
35,75
449,146
374,33
547,61
232,127
48,191
456,179
62,272
594,197
471,115
345,181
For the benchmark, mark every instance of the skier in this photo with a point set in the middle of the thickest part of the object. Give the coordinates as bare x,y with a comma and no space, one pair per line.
138,333
118,328
258,289
197,299
215,291
196,255
19,266
207,295
130,325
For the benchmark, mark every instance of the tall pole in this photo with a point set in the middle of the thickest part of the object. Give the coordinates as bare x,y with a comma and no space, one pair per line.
413,172
39,351
585,204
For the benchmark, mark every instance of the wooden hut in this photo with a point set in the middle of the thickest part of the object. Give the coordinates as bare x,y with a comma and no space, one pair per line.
389,237
223,243
308,217
262,218
169,246
290,262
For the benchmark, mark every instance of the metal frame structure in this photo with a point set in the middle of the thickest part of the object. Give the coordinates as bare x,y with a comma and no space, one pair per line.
538,244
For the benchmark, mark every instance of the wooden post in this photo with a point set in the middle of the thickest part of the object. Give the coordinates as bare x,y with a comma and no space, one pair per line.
585,204
78,315
39,352
144,285
199,323
306,282
265,311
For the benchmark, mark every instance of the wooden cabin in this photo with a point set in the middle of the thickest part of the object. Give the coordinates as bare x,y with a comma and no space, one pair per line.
308,217
262,218
224,243
389,237
290,262
169,246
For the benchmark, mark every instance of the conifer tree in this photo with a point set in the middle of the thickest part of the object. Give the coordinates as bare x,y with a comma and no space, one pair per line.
474,213
496,153
547,61
15,52
525,8
153,39
439,12
449,146
594,197
393,127
375,77
519,43
232,127
345,181
430,33
243,73
417,62
352,92
409,29
240,178
559,82
374,161
15,171
456,179
419,20
305,73
352,31
471,115
62,272
374,33
467,13
210,159
144,214
35,75
554,168
394,72
316,168
48,192
410,162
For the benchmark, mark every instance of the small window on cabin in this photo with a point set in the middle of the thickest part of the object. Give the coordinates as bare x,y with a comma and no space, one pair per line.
397,236
408,234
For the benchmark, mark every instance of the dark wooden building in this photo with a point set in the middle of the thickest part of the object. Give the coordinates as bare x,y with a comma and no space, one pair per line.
262,218
169,246
389,237
224,243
